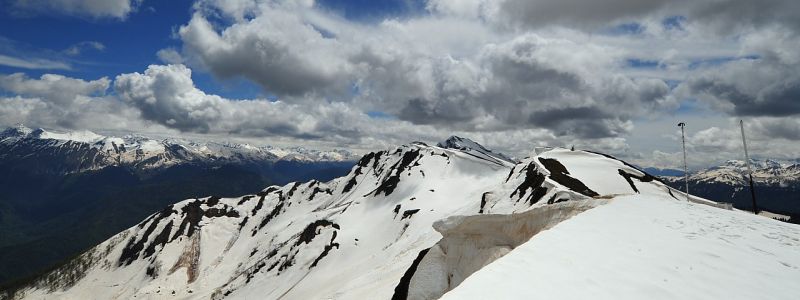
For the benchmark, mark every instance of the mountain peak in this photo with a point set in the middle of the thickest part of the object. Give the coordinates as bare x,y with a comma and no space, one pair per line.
16,130
457,142
38,132
755,164
83,136
467,145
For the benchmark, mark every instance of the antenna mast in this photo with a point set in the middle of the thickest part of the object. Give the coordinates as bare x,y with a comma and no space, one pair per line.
749,170
685,168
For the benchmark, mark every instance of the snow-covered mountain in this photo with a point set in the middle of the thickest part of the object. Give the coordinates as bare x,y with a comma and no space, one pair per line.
472,148
777,184
86,151
734,172
421,222
63,192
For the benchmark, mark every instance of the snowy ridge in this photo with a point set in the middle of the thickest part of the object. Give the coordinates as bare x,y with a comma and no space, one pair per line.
639,248
97,151
473,148
83,136
402,224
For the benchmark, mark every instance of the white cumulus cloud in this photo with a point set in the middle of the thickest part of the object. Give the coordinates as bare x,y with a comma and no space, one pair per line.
118,9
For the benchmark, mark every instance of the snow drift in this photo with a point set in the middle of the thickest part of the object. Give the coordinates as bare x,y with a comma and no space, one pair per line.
471,242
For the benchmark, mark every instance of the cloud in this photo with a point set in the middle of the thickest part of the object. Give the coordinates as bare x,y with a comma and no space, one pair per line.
575,13
732,15
726,16
488,66
170,56
585,122
774,99
76,49
166,94
33,63
116,9
766,86
24,56
20,110
461,80
767,137
57,101
164,99
60,89
763,140
770,129
289,58
509,73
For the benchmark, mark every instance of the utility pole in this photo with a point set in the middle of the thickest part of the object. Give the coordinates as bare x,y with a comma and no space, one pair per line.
749,170
685,168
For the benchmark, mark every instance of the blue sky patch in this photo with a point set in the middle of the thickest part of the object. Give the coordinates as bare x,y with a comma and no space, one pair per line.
718,61
632,28
693,106
372,10
673,22
672,83
641,63
380,115
130,45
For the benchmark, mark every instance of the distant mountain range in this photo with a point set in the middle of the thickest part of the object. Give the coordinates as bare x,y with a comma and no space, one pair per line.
62,192
663,172
777,184
79,151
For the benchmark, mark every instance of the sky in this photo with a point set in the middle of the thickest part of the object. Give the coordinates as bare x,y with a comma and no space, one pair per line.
615,76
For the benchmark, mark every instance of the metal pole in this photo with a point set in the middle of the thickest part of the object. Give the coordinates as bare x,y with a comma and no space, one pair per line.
749,170
685,167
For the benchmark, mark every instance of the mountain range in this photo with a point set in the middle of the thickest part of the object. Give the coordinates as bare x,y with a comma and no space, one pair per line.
452,221
90,151
777,185
62,192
